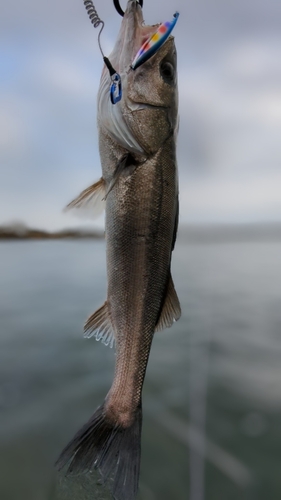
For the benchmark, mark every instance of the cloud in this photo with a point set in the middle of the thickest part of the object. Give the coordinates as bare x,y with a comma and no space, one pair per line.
254,60
66,76
222,200
12,131
233,124
230,108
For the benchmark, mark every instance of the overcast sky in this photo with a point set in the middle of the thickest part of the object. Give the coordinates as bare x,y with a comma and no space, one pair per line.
229,152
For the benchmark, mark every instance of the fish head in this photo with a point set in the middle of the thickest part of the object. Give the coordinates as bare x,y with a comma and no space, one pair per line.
151,98
148,111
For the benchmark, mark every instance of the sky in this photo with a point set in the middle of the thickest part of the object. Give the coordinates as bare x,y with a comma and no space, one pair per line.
229,73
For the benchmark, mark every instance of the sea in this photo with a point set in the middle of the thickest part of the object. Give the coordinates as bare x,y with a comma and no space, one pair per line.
212,394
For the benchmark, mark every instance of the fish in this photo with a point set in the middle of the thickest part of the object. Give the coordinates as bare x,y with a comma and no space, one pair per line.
139,190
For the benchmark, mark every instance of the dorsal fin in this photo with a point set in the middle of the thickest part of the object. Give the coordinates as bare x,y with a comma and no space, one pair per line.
171,310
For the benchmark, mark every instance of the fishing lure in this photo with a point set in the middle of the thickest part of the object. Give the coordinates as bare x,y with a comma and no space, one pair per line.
153,44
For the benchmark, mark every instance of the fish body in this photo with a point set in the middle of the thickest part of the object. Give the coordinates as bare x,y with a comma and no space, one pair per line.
137,141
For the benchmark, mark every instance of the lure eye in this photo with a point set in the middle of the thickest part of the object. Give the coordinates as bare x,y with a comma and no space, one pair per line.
167,72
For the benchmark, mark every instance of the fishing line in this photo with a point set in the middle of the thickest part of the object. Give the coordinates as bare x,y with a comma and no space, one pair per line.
147,50
116,87
95,19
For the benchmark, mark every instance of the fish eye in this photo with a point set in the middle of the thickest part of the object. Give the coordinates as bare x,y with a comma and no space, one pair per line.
167,72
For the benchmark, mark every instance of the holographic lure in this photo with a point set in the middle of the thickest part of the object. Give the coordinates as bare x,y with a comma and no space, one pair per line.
154,43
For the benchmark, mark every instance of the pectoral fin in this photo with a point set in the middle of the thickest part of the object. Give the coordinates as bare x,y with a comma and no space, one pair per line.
99,325
171,310
90,203
126,164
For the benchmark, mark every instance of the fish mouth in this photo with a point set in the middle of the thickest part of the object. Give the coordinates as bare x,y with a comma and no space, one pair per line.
133,12
133,33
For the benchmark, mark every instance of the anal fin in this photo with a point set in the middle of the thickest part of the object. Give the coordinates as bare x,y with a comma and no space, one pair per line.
90,202
99,325
171,310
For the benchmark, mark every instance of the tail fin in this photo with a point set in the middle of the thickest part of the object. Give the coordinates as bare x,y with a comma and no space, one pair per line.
113,450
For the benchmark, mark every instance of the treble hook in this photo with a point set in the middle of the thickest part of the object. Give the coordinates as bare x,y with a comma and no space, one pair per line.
119,8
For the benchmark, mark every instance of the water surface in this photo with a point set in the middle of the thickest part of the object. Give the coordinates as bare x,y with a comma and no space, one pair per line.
212,394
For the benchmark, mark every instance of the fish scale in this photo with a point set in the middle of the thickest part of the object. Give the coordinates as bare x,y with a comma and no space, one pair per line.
139,187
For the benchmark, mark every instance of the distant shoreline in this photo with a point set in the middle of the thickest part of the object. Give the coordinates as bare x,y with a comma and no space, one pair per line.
24,233
190,233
